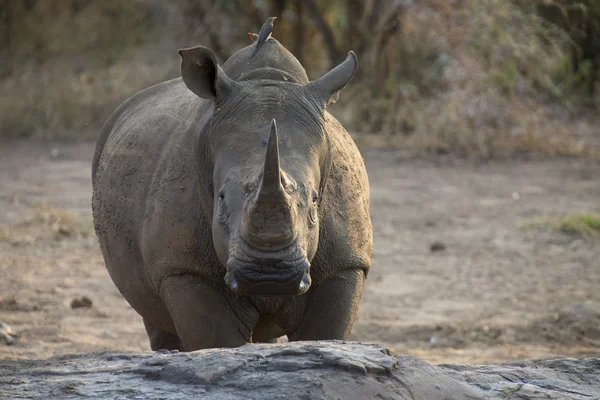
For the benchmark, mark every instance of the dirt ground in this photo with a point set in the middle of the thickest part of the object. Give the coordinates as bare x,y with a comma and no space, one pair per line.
496,289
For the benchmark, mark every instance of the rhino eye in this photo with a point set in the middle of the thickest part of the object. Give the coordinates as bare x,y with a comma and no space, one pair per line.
222,211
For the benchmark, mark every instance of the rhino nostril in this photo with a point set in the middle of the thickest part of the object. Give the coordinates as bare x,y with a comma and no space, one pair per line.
231,282
303,287
304,283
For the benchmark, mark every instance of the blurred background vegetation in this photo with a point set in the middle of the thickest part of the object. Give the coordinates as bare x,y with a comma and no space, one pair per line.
484,78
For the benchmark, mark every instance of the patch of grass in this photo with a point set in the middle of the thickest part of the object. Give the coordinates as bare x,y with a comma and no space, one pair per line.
581,224
46,222
586,225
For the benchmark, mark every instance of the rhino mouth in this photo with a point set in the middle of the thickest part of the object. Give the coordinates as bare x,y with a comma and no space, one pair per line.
252,272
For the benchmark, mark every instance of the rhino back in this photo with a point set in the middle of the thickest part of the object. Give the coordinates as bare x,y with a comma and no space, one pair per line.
273,62
146,208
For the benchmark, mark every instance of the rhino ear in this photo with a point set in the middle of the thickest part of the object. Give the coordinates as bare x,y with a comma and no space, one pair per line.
328,86
202,75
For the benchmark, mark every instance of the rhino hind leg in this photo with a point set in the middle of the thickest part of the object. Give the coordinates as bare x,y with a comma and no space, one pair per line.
161,340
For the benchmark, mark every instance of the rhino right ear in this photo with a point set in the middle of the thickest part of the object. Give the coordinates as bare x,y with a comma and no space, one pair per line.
202,75
327,88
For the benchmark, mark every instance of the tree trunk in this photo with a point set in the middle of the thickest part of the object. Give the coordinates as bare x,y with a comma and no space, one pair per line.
299,33
334,53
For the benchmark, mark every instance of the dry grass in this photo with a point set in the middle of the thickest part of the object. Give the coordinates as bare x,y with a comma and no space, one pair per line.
70,63
487,80
73,105
46,222
481,78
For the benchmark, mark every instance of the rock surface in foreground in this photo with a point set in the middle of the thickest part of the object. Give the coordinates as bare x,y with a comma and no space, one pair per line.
309,370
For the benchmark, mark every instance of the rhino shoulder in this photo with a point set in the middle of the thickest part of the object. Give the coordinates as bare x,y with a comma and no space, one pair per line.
345,238
147,151
131,107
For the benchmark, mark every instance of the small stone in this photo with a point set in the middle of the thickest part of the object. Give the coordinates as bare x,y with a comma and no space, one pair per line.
437,246
83,302
7,335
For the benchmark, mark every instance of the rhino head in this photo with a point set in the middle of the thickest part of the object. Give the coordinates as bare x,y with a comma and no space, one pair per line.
269,154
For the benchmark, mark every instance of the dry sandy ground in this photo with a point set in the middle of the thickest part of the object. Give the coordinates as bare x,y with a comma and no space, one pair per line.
500,290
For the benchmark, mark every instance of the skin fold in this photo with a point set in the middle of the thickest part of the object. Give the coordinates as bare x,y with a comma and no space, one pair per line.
230,207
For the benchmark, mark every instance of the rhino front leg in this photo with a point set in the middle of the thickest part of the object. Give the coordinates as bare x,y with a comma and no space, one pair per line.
331,308
202,316
160,339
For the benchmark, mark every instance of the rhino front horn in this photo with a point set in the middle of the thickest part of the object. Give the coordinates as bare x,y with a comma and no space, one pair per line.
268,224
271,180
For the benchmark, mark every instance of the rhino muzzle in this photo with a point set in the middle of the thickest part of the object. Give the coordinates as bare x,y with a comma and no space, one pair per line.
251,272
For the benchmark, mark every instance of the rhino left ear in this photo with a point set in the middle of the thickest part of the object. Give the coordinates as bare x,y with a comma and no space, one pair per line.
327,87
202,75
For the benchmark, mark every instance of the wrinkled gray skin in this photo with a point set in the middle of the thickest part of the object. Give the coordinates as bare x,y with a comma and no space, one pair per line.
231,207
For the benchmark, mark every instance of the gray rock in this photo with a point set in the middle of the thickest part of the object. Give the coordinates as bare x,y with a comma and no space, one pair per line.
298,370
